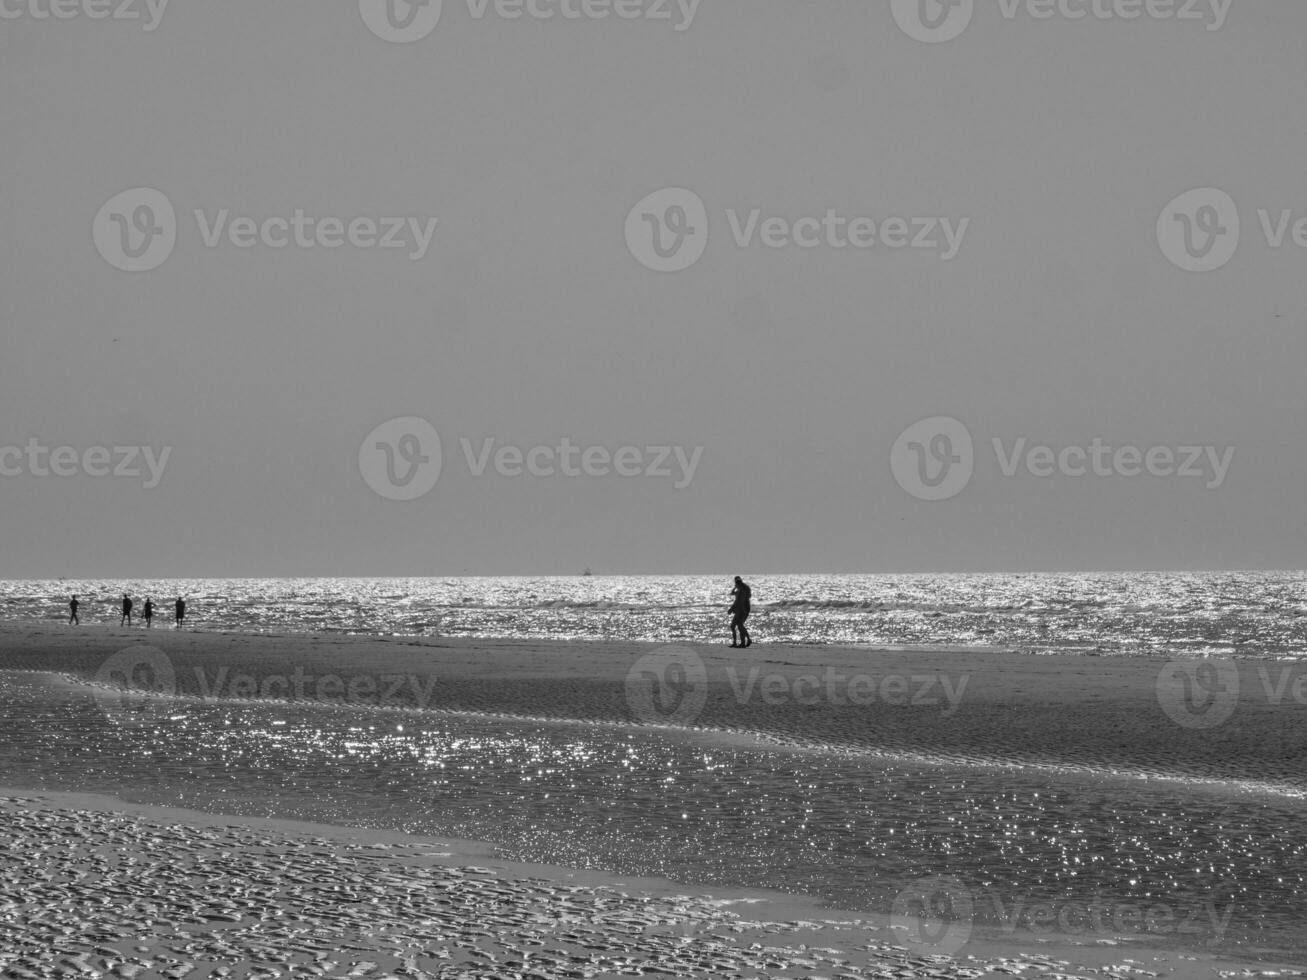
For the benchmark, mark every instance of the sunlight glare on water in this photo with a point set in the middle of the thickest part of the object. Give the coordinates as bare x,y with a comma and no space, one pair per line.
844,827
1249,613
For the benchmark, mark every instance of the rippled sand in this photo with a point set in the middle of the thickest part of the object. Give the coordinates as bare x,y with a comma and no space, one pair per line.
90,888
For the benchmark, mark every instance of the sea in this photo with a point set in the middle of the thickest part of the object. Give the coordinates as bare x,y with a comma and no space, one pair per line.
1253,614
1107,855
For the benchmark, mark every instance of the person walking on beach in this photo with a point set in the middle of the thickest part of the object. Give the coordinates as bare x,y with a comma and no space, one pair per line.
127,611
149,613
739,613
179,612
72,612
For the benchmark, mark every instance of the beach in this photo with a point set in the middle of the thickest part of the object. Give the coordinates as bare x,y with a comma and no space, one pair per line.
185,838
579,489
975,701
94,886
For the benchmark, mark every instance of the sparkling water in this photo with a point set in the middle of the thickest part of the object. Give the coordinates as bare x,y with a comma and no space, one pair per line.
1255,614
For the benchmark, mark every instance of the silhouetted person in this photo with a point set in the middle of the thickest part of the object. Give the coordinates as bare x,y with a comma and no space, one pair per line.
72,612
739,613
127,611
149,613
179,612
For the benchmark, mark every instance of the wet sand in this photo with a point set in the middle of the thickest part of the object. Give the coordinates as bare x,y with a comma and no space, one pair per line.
1100,713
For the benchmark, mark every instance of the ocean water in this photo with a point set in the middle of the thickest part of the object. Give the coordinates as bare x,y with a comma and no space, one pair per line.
1253,614
1211,859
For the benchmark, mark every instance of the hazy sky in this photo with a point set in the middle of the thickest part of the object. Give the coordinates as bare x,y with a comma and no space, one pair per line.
1051,146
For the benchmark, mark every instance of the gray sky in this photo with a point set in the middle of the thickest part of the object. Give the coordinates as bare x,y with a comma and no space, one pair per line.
529,320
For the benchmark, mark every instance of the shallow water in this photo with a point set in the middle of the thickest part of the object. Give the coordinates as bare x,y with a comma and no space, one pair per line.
699,807
1249,613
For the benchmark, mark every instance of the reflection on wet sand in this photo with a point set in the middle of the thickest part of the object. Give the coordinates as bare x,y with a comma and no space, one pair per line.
693,807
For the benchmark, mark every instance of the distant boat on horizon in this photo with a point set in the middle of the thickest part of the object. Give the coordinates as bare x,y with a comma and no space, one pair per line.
587,571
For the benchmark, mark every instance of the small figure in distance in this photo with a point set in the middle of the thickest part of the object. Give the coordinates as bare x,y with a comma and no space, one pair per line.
179,612
149,613
739,613
72,612
127,612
